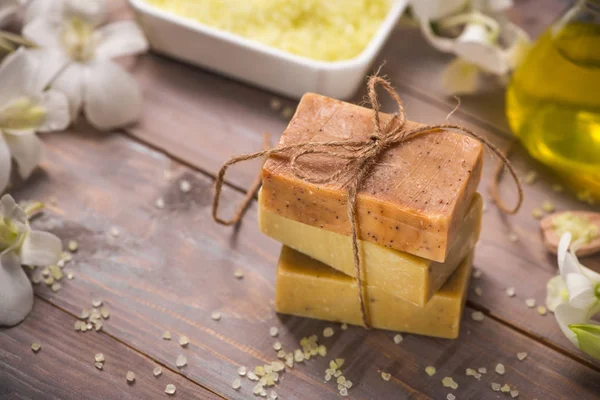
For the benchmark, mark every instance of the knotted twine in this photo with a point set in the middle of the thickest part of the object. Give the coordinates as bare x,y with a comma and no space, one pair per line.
359,156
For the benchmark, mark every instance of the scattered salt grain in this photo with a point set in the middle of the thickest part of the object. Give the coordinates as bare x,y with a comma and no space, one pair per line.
500,369
450,396
72,245
157,371
328,332
344,326
385,376
181,361
236,384
242,371
160,203
274,331
184,341
449,382
238,273
542,310
511,291
521,356
185,186
35,347
496,387
166,335
398,338
430,370
130,377
477,273
530,303
216,315
170,389
477,316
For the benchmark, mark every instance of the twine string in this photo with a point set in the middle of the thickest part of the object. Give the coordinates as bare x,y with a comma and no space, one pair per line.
360,156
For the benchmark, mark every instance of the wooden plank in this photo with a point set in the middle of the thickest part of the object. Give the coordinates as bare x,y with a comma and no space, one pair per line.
170,268
64,367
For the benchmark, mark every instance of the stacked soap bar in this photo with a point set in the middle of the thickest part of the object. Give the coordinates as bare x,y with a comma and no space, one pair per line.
418,213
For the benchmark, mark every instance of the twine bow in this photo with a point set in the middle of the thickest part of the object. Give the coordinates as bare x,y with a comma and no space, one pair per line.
359,156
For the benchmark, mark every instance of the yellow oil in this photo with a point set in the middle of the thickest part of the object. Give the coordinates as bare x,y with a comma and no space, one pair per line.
553,105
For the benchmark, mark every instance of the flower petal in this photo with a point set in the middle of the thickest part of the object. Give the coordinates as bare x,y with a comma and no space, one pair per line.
10,209
460,77
44,32
436,9
71,82
567,262
492,6
26,149
567,315
15,73
474,45
112,96
5,164
40,249
91,11
58,114
120,39
581,291
48,63
588,336
519,44
440,43
556,292
48,9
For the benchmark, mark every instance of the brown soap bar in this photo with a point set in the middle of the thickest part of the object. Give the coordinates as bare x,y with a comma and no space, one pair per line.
414,198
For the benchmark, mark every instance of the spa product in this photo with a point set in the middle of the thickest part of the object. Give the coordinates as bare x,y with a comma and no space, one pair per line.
326,30
413,200
308,288
407,277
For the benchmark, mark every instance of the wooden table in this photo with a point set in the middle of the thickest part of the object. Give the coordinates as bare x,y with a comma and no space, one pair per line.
170,268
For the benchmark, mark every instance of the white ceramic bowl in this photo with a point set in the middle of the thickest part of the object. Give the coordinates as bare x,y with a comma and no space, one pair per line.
256,63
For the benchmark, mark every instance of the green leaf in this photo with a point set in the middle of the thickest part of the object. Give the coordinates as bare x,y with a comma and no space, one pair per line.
588,336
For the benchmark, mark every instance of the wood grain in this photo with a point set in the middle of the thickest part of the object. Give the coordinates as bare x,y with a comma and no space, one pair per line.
64,367
170,268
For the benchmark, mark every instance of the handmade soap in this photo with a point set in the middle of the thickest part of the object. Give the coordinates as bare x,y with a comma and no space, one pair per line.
408,277
308,288
413,200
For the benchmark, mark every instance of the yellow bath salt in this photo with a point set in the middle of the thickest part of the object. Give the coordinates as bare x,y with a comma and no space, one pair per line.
309,288
327,30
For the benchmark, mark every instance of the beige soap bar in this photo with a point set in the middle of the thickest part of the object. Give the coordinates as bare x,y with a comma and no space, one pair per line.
308,288
413,200
408,277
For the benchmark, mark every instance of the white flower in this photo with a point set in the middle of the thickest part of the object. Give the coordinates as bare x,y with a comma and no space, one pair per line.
20,245
8,9
478,33
69,30
574,311
25,108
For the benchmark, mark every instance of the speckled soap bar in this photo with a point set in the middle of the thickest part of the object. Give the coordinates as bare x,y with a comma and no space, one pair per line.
413,200
308,288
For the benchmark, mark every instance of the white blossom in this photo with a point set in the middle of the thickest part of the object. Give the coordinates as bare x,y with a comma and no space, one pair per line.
19,244
25,108
478,33
70,32
576,307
